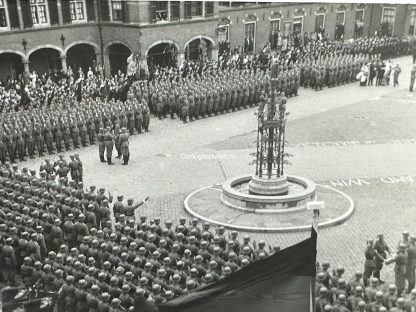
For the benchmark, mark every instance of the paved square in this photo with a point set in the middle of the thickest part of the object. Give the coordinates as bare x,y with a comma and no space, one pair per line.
359,140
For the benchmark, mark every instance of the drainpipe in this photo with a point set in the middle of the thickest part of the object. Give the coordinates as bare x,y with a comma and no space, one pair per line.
100,31
371,19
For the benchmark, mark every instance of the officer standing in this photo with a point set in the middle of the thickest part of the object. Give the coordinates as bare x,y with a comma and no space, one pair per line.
109,144
101,144
412,78
124,146
369,264
400,260
381,249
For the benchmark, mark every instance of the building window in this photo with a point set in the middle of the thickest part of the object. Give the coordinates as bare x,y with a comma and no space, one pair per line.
209,8
39,10
162,11
249,37
359,23
275,25
223,33
196,8
77,8
175,10
387,21
117,10
320,23
193,9
297,25
339,25
412,25
3,14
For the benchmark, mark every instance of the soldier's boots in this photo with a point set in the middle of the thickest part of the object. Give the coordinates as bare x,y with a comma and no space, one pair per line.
102,159
109,161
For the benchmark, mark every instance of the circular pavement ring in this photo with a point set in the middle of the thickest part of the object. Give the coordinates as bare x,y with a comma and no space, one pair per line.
284,229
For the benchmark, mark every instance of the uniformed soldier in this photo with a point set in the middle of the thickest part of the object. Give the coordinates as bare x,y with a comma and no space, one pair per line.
381,249
101,144
124,146
400,260
109,144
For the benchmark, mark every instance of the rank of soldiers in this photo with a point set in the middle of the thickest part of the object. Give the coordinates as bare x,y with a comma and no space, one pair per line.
58,236
69,125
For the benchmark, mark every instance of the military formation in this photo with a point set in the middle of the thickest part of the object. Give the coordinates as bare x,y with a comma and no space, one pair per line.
70,125
215,92
57,236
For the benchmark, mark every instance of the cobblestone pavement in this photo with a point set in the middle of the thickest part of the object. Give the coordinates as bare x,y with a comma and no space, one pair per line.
337,136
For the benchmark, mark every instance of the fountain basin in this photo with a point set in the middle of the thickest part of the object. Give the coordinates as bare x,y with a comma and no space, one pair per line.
236,194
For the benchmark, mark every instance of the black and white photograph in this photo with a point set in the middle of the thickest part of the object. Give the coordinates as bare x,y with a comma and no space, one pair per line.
207,156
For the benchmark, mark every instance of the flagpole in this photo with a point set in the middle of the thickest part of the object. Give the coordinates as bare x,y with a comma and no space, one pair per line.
315,206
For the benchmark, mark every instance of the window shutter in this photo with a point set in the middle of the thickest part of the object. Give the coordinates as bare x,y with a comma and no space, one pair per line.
152,12
174,10
90,10
26,13
53,12
105,10
66,12
13,16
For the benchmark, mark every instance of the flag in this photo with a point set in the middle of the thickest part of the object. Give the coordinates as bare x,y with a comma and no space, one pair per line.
282,282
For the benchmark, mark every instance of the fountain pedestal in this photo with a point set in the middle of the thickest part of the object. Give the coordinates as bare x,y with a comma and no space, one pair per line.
268,186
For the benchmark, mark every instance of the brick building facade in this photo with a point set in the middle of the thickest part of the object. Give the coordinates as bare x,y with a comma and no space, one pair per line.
52,34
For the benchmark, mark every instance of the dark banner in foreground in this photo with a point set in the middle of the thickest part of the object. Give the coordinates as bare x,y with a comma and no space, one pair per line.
279,283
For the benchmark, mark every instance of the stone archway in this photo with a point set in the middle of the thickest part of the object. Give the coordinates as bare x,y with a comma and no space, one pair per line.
199,48
45,59
11,64
81,55
162,53
118,53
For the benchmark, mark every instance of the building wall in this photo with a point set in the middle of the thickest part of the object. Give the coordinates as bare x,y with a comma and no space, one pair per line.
287,12
139,32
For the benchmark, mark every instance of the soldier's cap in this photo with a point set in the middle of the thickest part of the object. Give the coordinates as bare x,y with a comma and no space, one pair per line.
402,246
34,236
190,283
413,238
81,216
413,292
227,270
392,287
358,273
358,288
400,302
120,197
379,294
405,233
69,278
